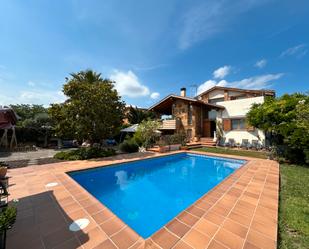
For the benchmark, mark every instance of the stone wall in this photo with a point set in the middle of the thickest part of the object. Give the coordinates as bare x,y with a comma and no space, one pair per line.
180,112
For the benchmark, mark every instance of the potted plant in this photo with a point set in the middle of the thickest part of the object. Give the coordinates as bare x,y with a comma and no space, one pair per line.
7,219
219,132
3,169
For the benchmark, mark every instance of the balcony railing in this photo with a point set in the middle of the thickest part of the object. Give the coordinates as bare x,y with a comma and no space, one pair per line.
168,125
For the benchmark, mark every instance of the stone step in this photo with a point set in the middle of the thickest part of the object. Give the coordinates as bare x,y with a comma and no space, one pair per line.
206,139
194,146
208,145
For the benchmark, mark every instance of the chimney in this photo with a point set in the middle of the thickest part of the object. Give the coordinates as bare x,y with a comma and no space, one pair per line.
183,92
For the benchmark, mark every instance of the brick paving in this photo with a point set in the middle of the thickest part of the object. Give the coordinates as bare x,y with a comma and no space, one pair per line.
240,212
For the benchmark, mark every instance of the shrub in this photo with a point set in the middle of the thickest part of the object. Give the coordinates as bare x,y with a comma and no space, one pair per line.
286,119
129,146
7,218
84,153
4,164
146,133
177,138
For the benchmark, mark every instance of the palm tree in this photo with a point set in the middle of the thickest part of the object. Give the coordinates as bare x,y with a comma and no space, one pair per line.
87,75
137,115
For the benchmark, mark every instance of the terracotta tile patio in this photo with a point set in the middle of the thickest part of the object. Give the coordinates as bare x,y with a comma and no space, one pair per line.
241,212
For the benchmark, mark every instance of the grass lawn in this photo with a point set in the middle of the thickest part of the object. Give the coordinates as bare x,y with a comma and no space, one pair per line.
294,207
248,153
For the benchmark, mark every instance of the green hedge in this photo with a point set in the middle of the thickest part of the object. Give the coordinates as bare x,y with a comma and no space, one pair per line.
84,153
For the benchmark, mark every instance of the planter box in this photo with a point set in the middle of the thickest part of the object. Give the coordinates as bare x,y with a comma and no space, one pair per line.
171,147
184,147
163,149
174,147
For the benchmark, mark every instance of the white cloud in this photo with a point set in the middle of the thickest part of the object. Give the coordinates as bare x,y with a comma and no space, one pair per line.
298,51
155,95
255,82
42,97
128,84
221,72
31,83
149,68
209,84
209,18
39,93
261,63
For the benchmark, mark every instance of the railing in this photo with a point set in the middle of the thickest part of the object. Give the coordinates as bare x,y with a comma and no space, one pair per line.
168,125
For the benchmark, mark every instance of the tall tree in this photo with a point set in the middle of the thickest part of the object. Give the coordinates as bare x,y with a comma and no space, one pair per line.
287,118
93,109
137,115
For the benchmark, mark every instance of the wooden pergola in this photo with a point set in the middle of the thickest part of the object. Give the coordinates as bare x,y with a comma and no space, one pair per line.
8,120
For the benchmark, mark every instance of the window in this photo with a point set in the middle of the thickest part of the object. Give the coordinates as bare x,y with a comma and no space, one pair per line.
190,108
214,101
238,97
238,124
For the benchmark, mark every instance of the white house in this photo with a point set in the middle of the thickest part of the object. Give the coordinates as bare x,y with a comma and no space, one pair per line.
197,116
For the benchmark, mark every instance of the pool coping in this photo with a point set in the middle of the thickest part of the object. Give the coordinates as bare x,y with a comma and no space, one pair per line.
231,215
243,163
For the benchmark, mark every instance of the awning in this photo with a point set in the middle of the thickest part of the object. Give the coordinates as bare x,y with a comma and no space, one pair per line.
131,128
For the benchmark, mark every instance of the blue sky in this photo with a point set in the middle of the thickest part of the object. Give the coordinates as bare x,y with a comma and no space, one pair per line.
152,48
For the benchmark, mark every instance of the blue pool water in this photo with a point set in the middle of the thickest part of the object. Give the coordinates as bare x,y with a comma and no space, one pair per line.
146,194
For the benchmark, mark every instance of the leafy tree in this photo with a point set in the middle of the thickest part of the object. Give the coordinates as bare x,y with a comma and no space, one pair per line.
34,123
287,119
302,114
137,115
31,116
147,132
302,123
61,123
93,109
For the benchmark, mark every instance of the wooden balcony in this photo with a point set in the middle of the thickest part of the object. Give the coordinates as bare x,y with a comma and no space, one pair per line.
168,125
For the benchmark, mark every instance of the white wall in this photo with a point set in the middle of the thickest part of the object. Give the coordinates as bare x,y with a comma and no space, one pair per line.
250,135
216,94
239,107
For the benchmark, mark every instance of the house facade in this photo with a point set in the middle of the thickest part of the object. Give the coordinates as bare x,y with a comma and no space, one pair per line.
221,108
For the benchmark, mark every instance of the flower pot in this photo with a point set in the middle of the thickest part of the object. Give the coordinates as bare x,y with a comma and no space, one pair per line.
3,171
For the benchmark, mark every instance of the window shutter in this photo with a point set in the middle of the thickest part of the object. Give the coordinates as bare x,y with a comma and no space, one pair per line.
226,124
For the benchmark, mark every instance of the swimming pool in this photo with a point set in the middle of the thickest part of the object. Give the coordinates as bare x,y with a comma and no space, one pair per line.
146,194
